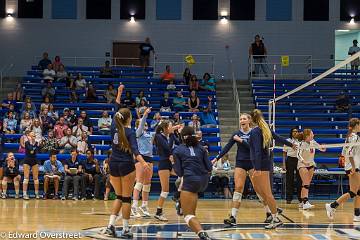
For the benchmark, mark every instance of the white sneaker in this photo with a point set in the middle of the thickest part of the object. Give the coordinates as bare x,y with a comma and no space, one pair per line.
330,212
276,222
37,196
307,206
301,205
135,212
161,218
3,196
145,211
26,197
356,219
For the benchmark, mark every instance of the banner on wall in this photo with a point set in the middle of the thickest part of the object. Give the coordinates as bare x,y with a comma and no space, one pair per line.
189,59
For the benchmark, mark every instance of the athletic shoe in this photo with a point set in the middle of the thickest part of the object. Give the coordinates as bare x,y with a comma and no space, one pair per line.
26,197
274,224
204,236
45,197
307,206
230,222
110,232
301,205
56,197
126,234
330,212
63,198
268,218
145,211
16,196
178,208
3,196
356,218
106,198
161,217
83,199
135,212
37,196
279,210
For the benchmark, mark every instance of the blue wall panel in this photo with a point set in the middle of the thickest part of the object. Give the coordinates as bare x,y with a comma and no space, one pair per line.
64,9
168,9
278,10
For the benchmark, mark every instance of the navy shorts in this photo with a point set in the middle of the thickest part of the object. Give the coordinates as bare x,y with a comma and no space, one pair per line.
30,161
246,165
165,165
147,159
121,169
195,184
349,171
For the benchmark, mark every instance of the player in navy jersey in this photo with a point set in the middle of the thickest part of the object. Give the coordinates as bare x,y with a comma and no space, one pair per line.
11,174
122,167
193,166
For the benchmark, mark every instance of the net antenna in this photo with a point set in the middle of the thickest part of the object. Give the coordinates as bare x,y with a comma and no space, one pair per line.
272,102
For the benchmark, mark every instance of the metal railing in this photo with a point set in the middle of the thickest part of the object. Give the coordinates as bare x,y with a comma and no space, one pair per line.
5,69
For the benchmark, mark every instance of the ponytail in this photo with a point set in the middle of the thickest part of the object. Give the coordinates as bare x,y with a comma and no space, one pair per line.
266,133
121,119
190,139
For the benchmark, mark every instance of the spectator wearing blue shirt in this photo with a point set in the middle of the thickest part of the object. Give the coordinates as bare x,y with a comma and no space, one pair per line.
179,102
7,102
44,62
91,174
53,171
73,170
207,117
10,124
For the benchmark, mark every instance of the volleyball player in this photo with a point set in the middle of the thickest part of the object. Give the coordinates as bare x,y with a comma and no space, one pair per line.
260,140
193,165
143,178
306,163
122,167
11,174
30,163
352,168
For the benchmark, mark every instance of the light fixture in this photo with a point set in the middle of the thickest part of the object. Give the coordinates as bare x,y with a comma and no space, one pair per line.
343,30
352,21
224,20
132,19
10,12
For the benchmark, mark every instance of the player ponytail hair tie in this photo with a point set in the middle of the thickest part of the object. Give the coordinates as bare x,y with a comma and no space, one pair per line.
119,115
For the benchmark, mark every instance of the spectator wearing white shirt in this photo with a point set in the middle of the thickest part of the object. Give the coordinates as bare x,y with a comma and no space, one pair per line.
352,50
82,145
49,73
104,123
220,176
68,142
80,83
80,128
195,123
48,91
61,74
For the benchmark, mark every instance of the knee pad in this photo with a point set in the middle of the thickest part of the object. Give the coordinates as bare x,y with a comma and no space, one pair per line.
187,218
36,182
146,188
352,194
237,197
164,194
26,181
119,197
306,186
126,200
138,186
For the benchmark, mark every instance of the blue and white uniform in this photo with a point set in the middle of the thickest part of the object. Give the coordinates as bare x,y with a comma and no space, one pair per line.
30,153
145,141
164,146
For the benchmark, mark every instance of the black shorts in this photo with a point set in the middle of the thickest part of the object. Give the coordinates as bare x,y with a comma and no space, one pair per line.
246,165
165,165
308,168
195,184
30,161
11,175
147,159
120,169
349,171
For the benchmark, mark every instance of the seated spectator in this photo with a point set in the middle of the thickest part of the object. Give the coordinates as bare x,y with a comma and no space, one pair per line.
66,115
18,93
73,170
207,117
45,104
202,142
23,139
48,91
167,75
10,124
110,93
61,74
50,143
220,177
52,113
67,142
27,102
177,120
104,123
44,62
141,108
80,83
193,102
69,80
73,92
140,96
106,71
179,102
57,63
166,103
195,123
342,103
91,94
49,73
7,102
37,129
91,174
46,121
128,101
86,121
208,83
79,129
194,84
82,144
186,76
11,174
106,176
26,122
72,118
171,86
156,120
12,109
28,109
53,171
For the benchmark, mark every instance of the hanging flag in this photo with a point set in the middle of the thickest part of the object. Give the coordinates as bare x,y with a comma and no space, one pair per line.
285,61
189,59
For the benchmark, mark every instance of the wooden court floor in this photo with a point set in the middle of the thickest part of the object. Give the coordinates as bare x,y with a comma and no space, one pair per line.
87,218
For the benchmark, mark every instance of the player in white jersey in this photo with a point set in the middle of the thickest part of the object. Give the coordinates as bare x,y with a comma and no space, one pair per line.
352,166
306,164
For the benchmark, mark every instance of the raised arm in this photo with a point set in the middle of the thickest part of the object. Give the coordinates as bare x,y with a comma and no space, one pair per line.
119,93
281,140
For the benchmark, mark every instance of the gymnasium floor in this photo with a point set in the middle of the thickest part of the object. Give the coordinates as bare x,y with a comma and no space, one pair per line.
88,217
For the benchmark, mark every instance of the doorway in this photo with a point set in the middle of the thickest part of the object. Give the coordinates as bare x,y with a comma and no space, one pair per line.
126,53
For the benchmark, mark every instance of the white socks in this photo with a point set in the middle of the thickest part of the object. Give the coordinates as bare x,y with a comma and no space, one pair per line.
144,203
125,224
112,220
234,212
135,203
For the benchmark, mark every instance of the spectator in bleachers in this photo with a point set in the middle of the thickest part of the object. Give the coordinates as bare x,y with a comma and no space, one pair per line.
194,84
50,143
52,113
68,141
45,104
26,122
195,123
26,102
140,96
73,171
91,175
104,123
48,91
352,50
82,144
258,49
53,169
9,123
208,83
202,142
110,93
31,163
49,73
23,139
15,113
171,86
186,76
29,109
177,120
72,118
73,93
207,117
36,128
220,176
2,161
44,62
57,63
129,101
46,121
166,103
141,108
69,80
18,93
11,174
66,115
193,102
342,103
106,71
156,120
10,100
61,74
91,94
145,50
86,121
167,75
179,102
106,176
80,83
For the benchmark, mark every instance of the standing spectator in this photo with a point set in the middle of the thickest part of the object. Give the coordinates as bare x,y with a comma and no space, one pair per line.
49,73
11,174
167,75
221,176
208,83
91,94
73,91
48,91
193,102
80,83
46,121
44,62
50,143
128,101
27,102
29,109
258,52
36,128
195,123
7,102
86,121
82,144
166,103
194,84
91,175
145,50
72,118
355,63
110,93
179,102
207,117
23,139
53,171
106,71
156,120
67,142
79,129
61,74
10,124
26,122
52,113
104,123
140,96
186,76
18,93
73,170
45,104
57,63
60,128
